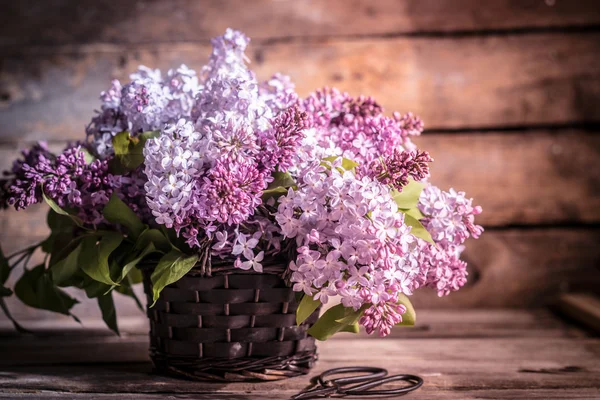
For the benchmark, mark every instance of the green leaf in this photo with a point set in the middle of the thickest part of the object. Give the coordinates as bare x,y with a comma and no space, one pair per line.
347,164
66,268
307,306
282,181
94,257
410,316
327,325
133,263
36,289
61,228
109,314
417,229
354,328
409,197
129,151
60,211
351,317
155,237
414,212
94,288
117,212
171,267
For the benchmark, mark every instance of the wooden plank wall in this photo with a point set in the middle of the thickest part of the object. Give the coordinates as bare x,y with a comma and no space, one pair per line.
509,91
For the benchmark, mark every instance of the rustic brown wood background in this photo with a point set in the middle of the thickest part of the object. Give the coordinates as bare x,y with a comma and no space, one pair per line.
509,91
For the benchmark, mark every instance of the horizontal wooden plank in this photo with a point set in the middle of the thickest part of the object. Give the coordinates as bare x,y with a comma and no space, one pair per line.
421,394
581,307
520,178
136,21
50,335
468,82
455,364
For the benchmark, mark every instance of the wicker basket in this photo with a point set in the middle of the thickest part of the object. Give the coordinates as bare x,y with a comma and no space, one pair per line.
233,325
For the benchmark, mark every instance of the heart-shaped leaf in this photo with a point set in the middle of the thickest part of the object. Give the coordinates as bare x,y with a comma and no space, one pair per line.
409,196
417,229
171,267
94,255
327,325
36,289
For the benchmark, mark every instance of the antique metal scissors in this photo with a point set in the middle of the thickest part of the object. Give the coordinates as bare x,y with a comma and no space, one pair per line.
358,385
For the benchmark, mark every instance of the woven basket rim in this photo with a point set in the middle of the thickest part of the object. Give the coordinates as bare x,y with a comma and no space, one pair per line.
272,265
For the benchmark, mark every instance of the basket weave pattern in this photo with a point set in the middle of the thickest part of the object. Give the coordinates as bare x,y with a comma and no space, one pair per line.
232,326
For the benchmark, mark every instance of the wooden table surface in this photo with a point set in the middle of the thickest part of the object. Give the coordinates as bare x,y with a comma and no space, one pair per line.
462,354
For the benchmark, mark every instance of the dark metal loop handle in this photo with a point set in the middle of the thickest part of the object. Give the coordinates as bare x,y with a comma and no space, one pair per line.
365,388
370,374
373,377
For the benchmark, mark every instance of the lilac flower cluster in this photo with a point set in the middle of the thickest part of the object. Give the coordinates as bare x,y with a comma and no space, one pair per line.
67,179
147,103
396,168
206,172
356,128
449,218
226,142
352,242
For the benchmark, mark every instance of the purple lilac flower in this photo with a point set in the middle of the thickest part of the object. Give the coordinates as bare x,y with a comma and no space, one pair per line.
442,268
230,192
109,121
206,173
66,178
396,168
352,241
356,128
449,216
278,93
144,102
21,186
280,143
382,318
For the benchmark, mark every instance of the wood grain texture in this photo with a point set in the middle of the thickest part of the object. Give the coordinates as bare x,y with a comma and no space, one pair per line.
431,324
445,364
137,21
422,394
581,307
453,83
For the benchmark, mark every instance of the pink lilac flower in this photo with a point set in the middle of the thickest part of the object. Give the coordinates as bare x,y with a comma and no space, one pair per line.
206,173
441,268
382,317
279,144
449,216
396,168
356,128
336,219
230,192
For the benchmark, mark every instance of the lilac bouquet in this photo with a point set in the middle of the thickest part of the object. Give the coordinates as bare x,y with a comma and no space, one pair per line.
194,168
